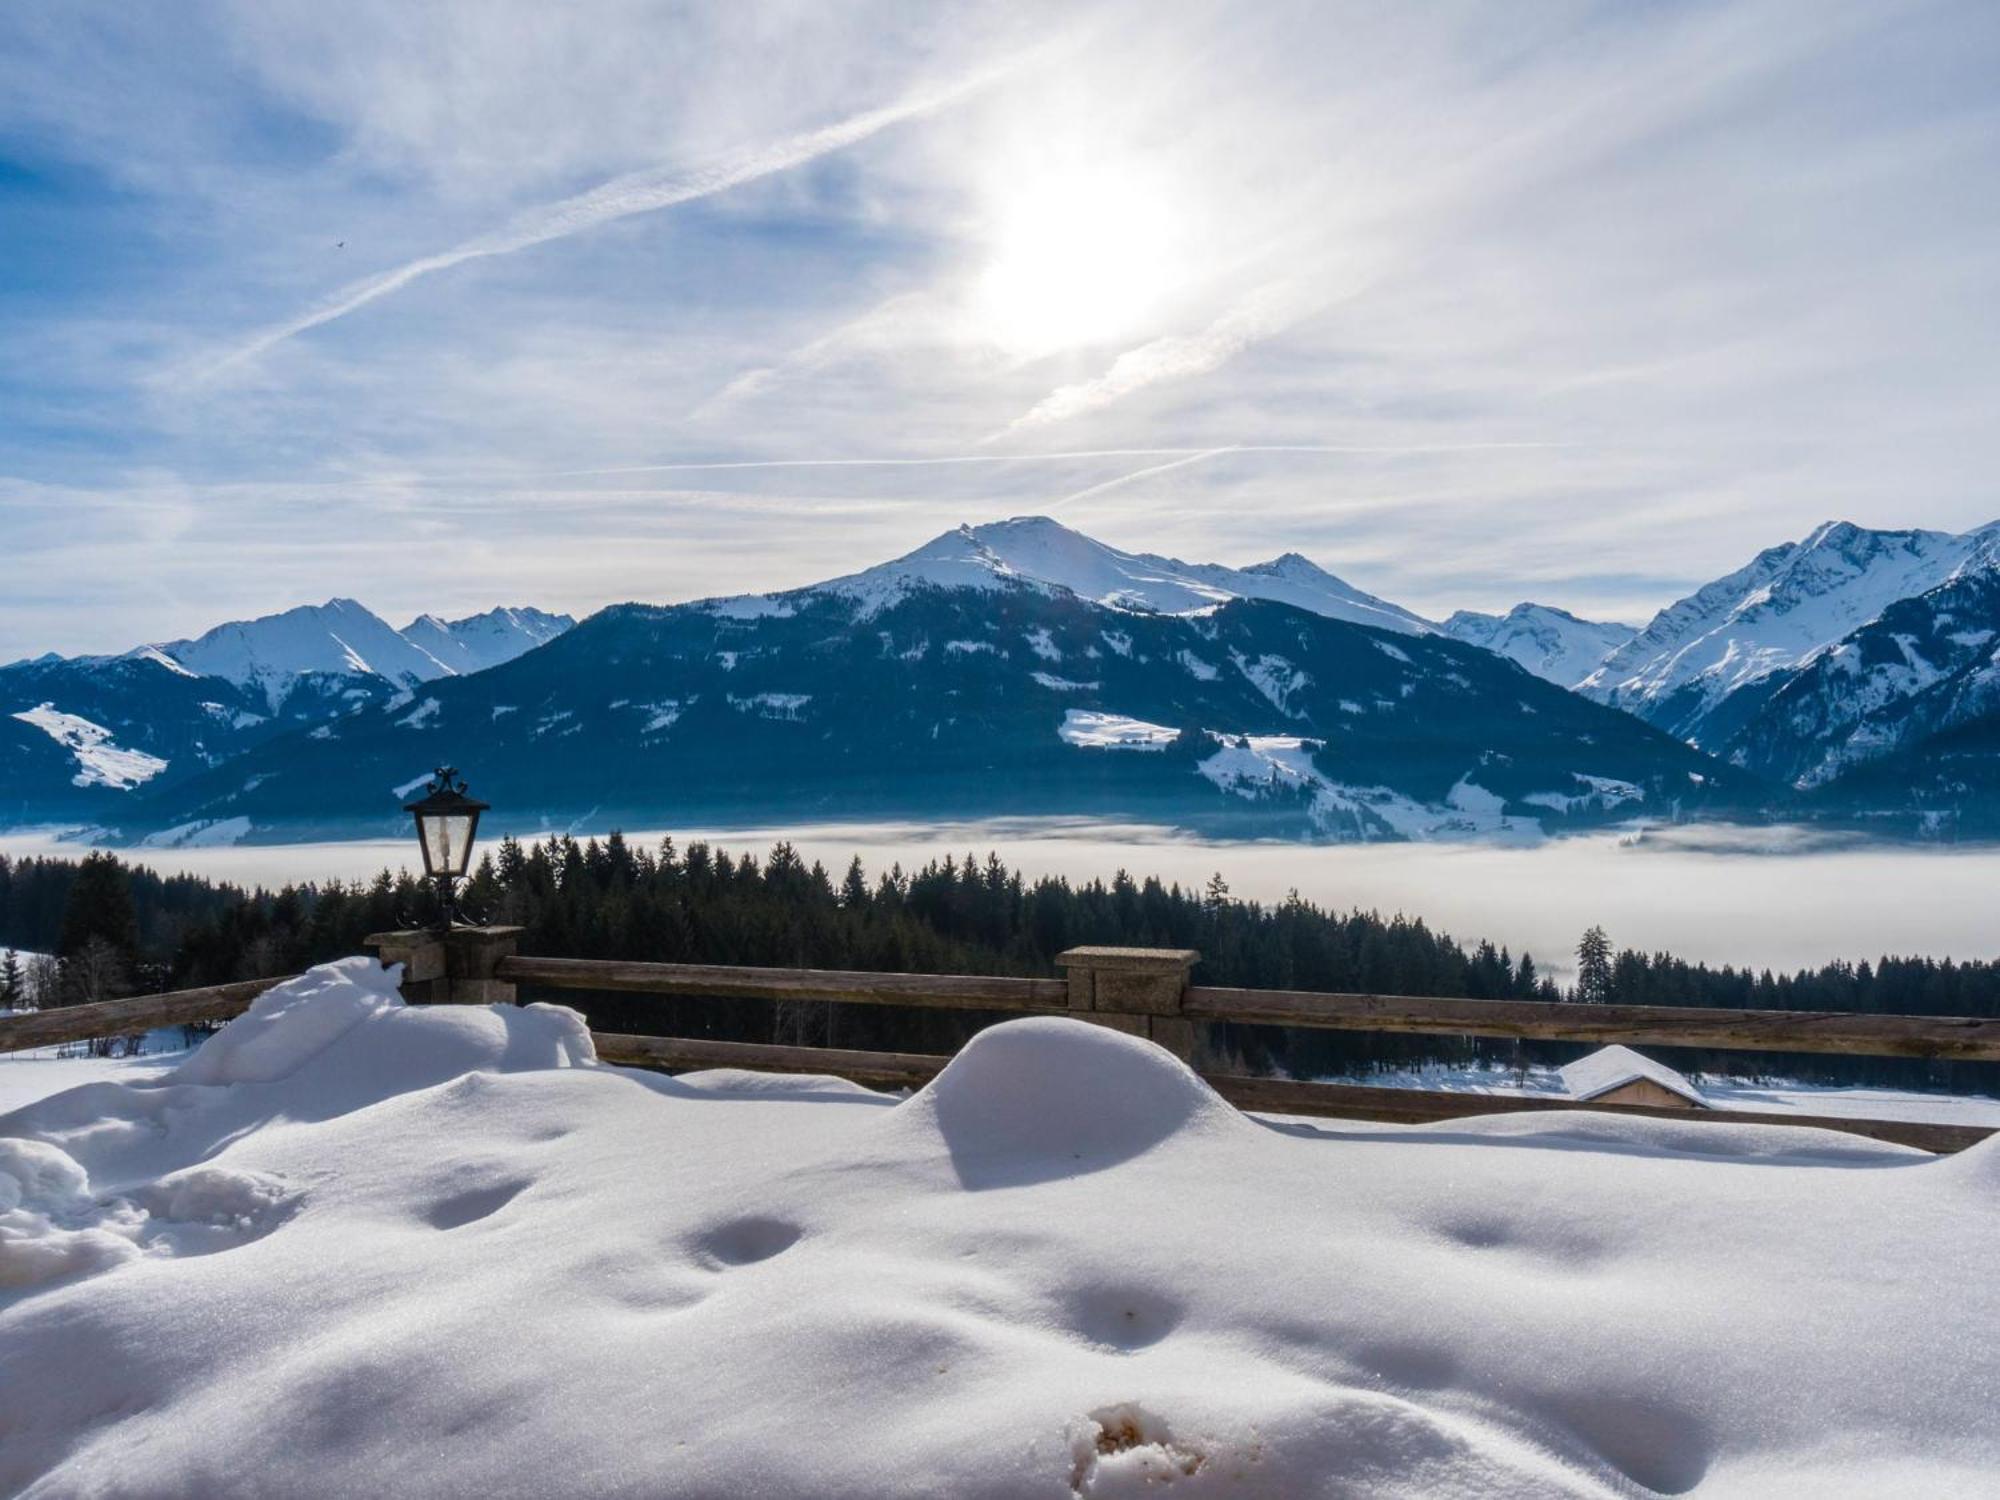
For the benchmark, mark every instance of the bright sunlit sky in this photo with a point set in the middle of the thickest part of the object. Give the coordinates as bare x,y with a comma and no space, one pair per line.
1471,303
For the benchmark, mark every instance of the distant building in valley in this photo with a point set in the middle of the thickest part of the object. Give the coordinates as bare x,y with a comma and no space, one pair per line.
1618,1075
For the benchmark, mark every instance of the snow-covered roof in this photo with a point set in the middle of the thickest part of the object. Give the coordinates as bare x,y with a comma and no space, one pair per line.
1613,1067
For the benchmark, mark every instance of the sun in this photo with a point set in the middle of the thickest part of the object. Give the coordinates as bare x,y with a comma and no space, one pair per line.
1079,254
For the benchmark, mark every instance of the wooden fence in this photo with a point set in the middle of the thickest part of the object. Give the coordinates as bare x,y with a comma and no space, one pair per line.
1142,991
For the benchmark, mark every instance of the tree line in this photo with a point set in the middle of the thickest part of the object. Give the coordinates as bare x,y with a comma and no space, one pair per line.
111,928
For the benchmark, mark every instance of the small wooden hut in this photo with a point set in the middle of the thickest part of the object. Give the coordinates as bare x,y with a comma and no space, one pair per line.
1618,1075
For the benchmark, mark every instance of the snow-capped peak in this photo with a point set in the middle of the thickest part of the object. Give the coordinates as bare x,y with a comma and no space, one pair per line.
1790,602
484,640
1552,643
271,652
343,637
1038,552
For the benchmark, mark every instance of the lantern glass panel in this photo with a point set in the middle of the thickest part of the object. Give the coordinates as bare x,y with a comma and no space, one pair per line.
447,841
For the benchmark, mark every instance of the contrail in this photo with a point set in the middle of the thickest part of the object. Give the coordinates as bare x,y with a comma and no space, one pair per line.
634,193
1137,474
942,460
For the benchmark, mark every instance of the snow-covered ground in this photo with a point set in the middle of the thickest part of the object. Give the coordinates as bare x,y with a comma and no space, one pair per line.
349,1247
28,1076
37,1072
99,760
1766,1096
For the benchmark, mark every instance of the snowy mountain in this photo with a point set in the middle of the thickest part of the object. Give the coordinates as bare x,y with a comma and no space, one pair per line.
342,638
1925,666
1689,670
339,638
480,641
78,735
1552,643
1007,698
1022,667
1036,552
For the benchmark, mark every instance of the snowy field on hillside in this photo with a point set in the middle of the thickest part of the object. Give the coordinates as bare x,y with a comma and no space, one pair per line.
37,1072
348,1248
1766,1096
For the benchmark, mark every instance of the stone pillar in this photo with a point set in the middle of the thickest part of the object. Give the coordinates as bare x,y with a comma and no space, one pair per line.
450,968
1135,990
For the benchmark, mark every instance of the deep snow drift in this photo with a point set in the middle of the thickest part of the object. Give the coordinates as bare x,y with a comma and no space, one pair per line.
349,1248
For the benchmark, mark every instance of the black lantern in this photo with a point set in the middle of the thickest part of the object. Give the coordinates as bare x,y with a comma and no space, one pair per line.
447,821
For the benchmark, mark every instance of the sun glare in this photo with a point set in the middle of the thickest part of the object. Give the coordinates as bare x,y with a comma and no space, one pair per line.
1080,255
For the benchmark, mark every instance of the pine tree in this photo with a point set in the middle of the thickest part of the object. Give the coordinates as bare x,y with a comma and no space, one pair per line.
99,906
13,984
1593,967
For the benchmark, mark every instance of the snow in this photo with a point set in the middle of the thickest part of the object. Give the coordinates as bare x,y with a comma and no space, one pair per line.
1276,678
352,1247
100,761
749,607
160,658
486,640
1198,669
41,1071
766,705
1256,765
660,715
1039,553
1757,1095
550,721
1613,1067
1791,601
206,833
1599,792
1253,763
1101,731
1552,643
272,652
1064,684
421,715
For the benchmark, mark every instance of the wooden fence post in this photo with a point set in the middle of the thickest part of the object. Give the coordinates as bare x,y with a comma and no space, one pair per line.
1135,990
459,967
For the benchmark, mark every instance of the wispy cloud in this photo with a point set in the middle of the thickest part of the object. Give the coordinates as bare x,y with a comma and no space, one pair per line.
1570,299
633,193
1173,356
1119,482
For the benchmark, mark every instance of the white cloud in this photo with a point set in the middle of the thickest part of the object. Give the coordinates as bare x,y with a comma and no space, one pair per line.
1581,301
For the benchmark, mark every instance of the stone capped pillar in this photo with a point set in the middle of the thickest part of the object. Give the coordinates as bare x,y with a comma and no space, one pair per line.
450,968
1135,990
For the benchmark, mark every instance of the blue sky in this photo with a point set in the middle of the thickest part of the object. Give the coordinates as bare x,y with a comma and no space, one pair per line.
1471,303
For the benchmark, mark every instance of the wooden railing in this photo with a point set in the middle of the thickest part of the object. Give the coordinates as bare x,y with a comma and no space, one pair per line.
1142,991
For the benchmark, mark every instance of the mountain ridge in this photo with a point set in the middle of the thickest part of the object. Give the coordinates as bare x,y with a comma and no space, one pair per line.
1805,669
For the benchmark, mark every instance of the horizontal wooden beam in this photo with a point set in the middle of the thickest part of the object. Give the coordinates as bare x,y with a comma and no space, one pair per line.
722,981
1286,1096
1283,1096
1957,1037
892,1069
80,1023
